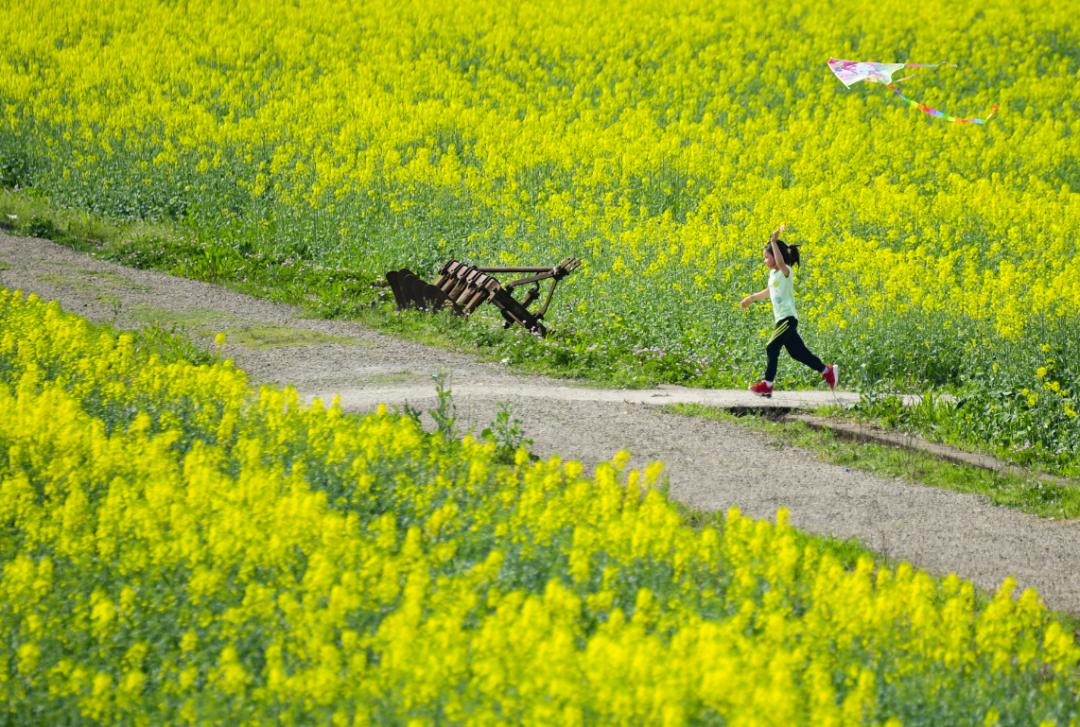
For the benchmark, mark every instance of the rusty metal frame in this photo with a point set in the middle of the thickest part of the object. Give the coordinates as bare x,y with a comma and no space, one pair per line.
461,288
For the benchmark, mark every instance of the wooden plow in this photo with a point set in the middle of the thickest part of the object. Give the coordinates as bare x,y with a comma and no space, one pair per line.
461,288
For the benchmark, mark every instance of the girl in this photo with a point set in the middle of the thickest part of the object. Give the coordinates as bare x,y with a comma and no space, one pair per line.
779,257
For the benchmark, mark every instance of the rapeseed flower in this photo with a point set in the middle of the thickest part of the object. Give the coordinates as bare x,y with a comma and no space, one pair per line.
157,567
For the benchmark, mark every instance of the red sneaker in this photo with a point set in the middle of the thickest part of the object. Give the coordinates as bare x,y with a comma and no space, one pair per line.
831,375
761,389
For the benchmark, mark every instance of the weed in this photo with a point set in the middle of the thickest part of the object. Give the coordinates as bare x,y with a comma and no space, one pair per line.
445,411
507,433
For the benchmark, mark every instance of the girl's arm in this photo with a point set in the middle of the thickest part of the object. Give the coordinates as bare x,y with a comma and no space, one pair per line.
777,256
754,298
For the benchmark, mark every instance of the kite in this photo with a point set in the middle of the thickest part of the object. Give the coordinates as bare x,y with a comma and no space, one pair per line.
850,72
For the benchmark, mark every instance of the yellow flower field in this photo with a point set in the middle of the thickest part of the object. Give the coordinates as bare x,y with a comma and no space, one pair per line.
176,546
659,143
641,136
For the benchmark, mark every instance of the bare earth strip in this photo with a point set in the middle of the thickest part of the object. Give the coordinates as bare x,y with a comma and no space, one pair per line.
712,465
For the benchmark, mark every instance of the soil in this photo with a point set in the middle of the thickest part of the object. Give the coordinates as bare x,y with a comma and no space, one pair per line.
711,465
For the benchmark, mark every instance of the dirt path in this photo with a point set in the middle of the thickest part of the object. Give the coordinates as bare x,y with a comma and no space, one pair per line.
711,465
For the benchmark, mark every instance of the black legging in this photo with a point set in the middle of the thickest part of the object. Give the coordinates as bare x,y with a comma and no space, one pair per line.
786,335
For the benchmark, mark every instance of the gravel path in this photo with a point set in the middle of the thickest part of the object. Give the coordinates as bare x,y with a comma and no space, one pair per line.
711,465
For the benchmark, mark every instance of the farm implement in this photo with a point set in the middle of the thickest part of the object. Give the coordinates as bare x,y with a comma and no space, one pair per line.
461,288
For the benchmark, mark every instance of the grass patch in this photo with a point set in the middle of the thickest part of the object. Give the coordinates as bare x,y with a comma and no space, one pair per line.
283,336
397,377
69,281
1028,494
209,323
87,280
115,280
199,320
110,300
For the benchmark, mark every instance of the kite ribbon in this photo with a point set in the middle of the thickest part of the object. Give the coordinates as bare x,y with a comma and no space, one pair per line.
939,114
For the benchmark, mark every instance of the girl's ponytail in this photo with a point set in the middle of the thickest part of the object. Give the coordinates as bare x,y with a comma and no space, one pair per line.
790,252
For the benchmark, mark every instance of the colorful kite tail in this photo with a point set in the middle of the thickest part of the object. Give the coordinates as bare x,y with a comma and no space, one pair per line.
940,114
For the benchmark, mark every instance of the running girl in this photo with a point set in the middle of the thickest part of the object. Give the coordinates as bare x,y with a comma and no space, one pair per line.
779,257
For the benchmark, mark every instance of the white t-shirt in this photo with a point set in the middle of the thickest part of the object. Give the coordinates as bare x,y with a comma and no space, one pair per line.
782,294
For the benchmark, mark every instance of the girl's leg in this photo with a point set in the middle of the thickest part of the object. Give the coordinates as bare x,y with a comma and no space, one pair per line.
794,344
772,348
